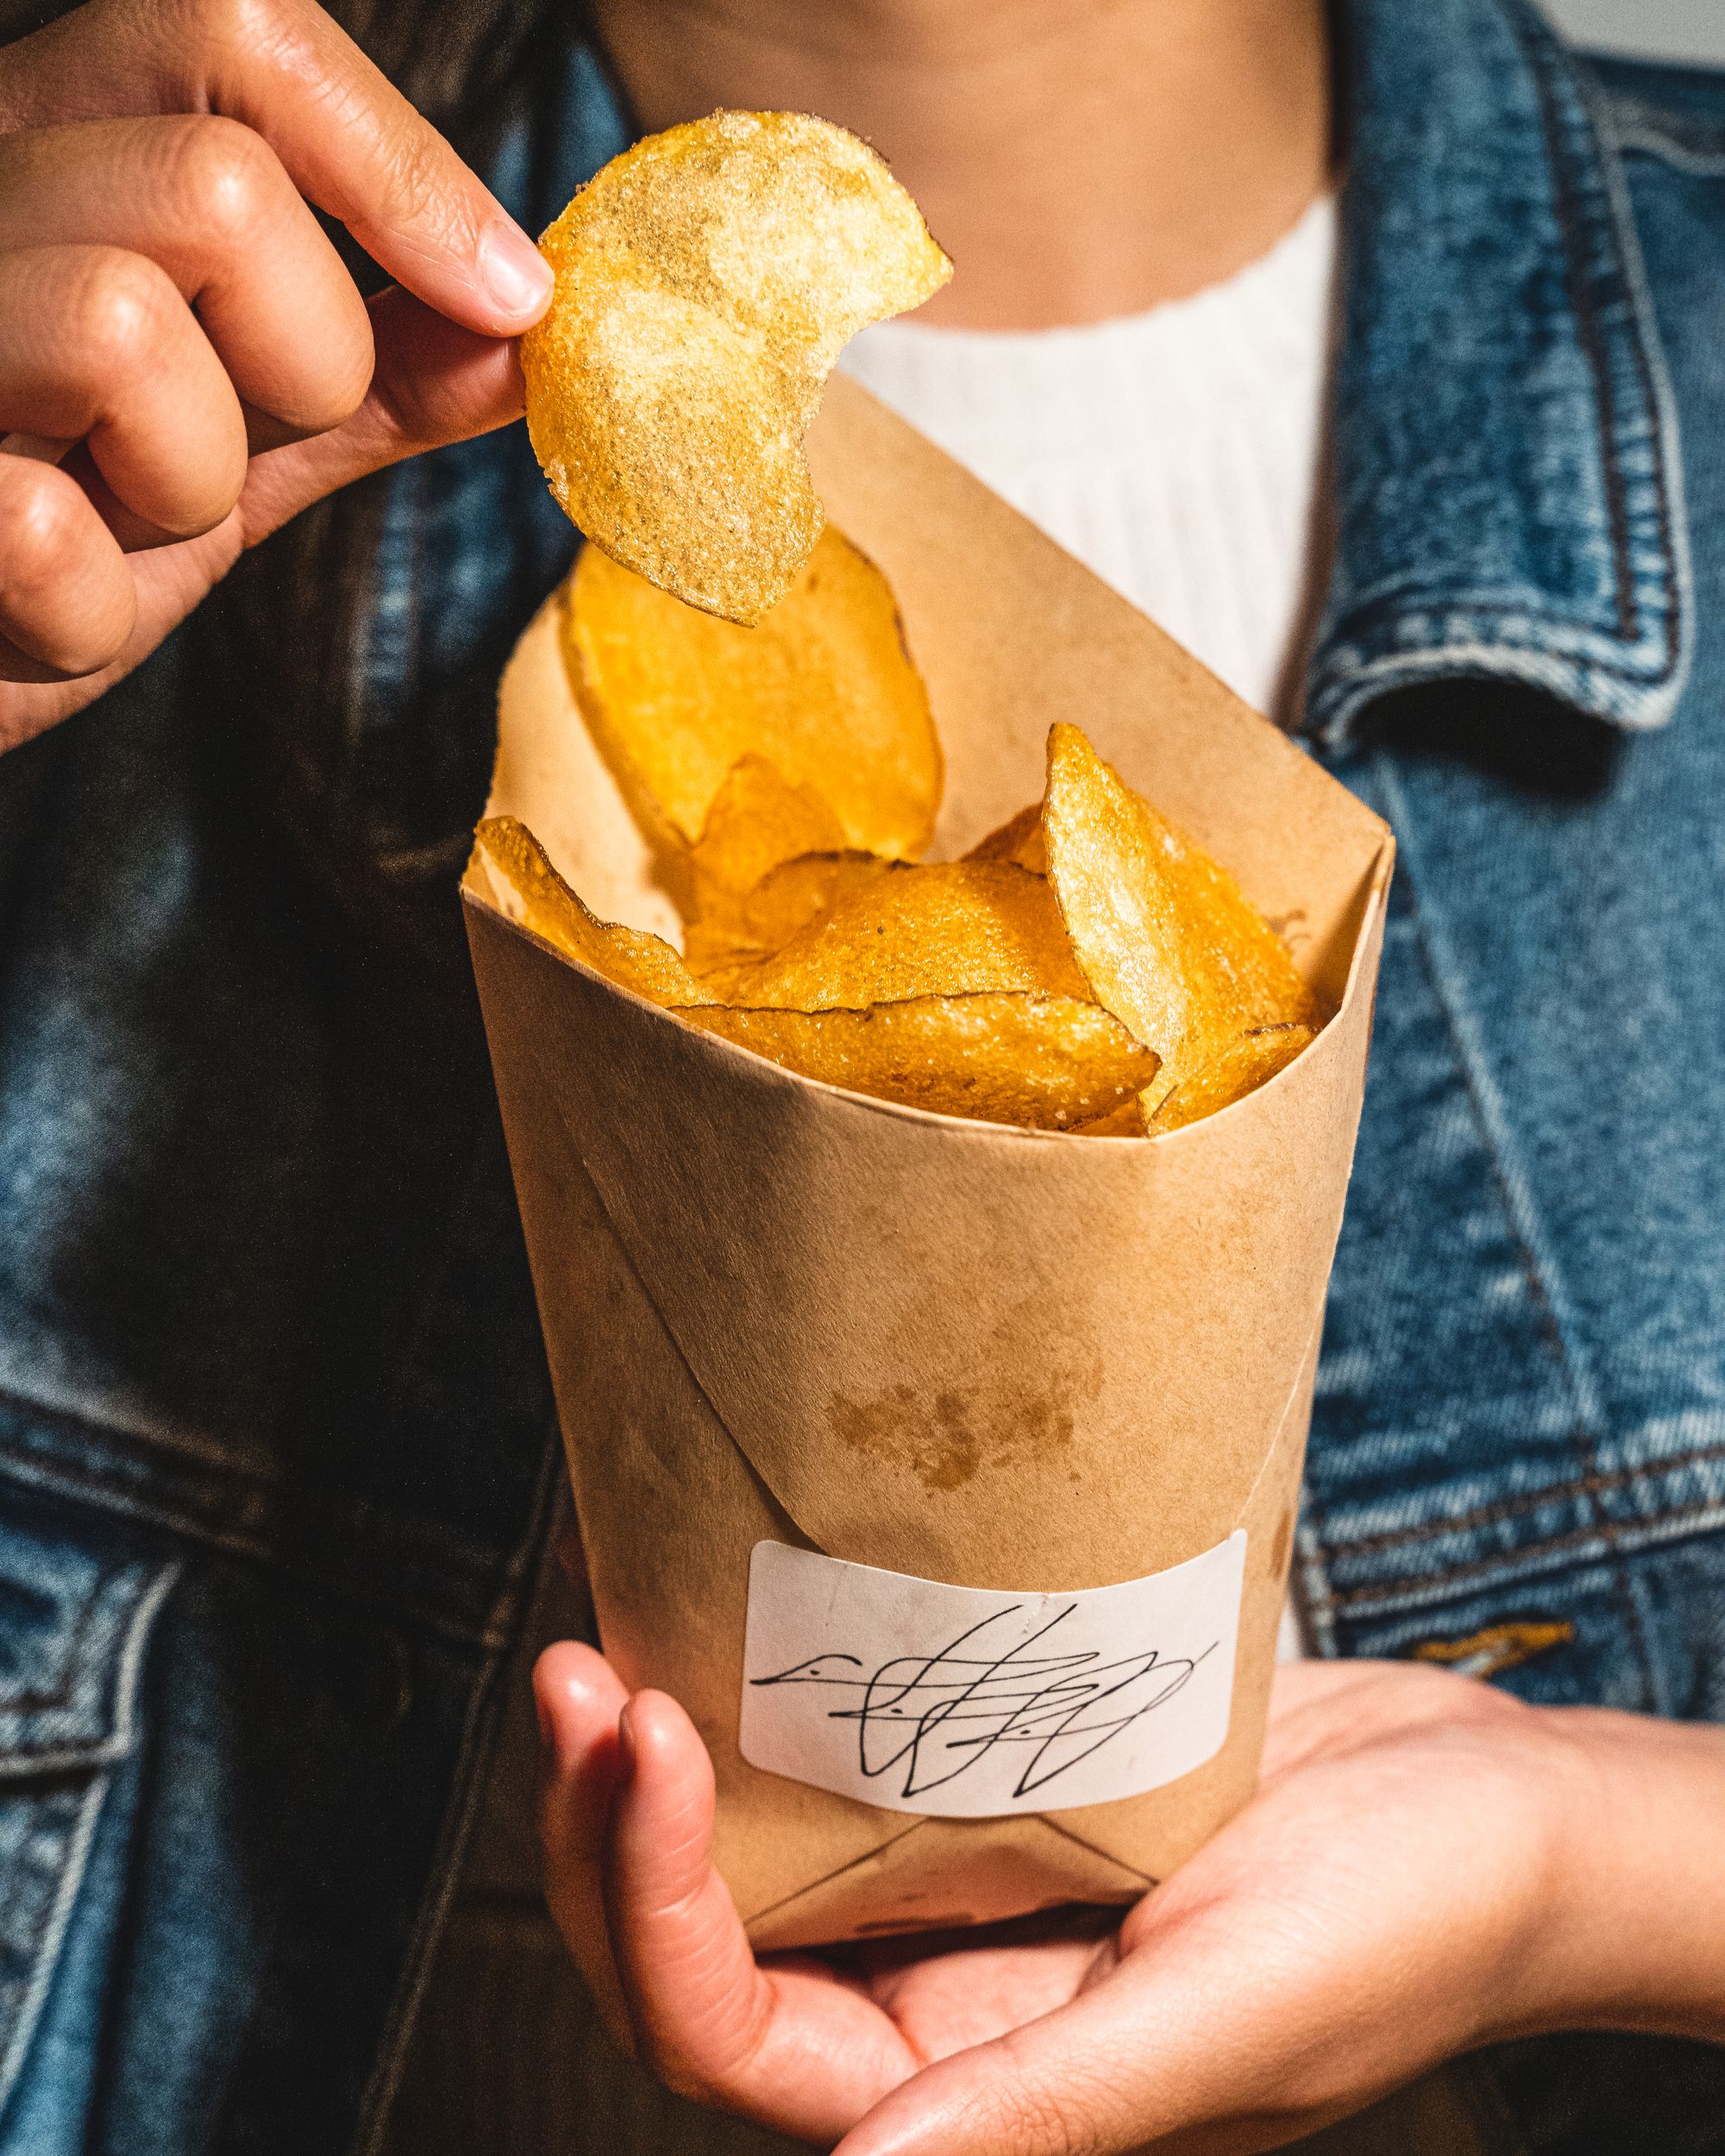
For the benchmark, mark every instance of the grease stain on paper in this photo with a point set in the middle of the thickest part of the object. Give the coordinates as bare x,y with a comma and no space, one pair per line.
947,1441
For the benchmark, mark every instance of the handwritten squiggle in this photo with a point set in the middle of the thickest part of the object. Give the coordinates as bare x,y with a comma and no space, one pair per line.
940,1714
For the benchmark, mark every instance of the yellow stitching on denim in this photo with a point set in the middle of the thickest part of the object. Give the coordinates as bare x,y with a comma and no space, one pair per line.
1498,1647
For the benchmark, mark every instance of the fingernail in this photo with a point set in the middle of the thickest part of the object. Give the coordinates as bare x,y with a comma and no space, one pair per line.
516,274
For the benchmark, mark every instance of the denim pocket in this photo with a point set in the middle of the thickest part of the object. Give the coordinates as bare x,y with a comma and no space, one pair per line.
74,1621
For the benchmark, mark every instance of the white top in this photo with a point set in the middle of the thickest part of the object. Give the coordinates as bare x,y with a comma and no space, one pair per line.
1177,451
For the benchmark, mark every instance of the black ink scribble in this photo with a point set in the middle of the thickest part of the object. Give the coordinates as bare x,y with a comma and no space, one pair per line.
939,1714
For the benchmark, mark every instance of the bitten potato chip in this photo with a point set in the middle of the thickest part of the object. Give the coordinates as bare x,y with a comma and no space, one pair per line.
510,868
707,281
1165,937
1044,1061
1245,1065
942,929
824,691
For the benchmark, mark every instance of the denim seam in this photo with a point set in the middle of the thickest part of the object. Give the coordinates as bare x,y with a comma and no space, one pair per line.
1613,1547
46,1952
1597,1485
1516,1191
467,1794
1543,614
1349,689
1580,262
67,1480
1666,445
1638,141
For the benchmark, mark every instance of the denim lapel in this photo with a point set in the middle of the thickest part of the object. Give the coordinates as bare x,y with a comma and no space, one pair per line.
1508,483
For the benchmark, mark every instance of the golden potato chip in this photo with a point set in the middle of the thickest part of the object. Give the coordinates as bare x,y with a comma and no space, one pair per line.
824,691
1019,839
942,928
1167,940
738,933
758,819
1126,1121
510,868
707,279
1044,1061
1245,1065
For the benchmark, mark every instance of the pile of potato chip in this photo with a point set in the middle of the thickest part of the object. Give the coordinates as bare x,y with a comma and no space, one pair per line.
1085,969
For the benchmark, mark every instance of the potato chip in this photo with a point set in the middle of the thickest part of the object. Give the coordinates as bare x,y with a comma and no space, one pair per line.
738,933
757,820
707,281
1017,839
823,692
510,868
1044,1061
1126,1121
1167,940
942,928
1245,1065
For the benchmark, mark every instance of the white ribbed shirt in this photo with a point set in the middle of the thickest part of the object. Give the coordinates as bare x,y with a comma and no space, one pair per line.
1176,452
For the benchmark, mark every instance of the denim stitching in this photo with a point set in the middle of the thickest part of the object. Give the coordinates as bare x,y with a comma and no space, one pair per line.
466,1798
1581,262
1611,1546
240,1532
1598,1485
45,1953
1516,1193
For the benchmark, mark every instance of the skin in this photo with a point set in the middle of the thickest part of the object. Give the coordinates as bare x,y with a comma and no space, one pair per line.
184,366
1077,159
1429,1866
169,306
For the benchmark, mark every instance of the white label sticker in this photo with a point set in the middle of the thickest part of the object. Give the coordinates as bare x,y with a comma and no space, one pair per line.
958,1703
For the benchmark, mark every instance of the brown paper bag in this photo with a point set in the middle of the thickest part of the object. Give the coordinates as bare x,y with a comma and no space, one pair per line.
1002,1359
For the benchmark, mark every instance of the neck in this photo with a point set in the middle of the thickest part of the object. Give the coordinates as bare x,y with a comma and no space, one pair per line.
1077,159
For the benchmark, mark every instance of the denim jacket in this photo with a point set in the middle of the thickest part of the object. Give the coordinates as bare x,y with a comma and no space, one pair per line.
275,1432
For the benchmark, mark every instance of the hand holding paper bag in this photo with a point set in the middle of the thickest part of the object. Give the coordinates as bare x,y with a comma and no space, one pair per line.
1266,1990
994,1359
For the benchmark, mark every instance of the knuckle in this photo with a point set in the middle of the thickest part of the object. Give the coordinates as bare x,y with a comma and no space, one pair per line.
38,537
119,308
238,26
227,173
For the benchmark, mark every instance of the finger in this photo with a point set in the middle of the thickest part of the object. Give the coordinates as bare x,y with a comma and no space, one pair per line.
1169,2065
97,343
579,1699
168,584
208,202
66,598
786,2047
350,142
433,383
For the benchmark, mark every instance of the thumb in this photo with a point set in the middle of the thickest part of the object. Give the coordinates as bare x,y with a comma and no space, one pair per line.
433,382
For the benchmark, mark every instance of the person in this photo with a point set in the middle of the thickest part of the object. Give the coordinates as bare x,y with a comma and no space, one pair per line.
275,1434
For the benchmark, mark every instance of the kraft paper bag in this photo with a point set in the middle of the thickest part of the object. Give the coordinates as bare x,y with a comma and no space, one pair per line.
795,1333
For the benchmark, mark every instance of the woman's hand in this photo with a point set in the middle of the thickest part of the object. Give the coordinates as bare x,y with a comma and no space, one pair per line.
1429,1866
170,307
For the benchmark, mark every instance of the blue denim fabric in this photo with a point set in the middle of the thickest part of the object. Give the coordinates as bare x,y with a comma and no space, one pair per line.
274,1425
